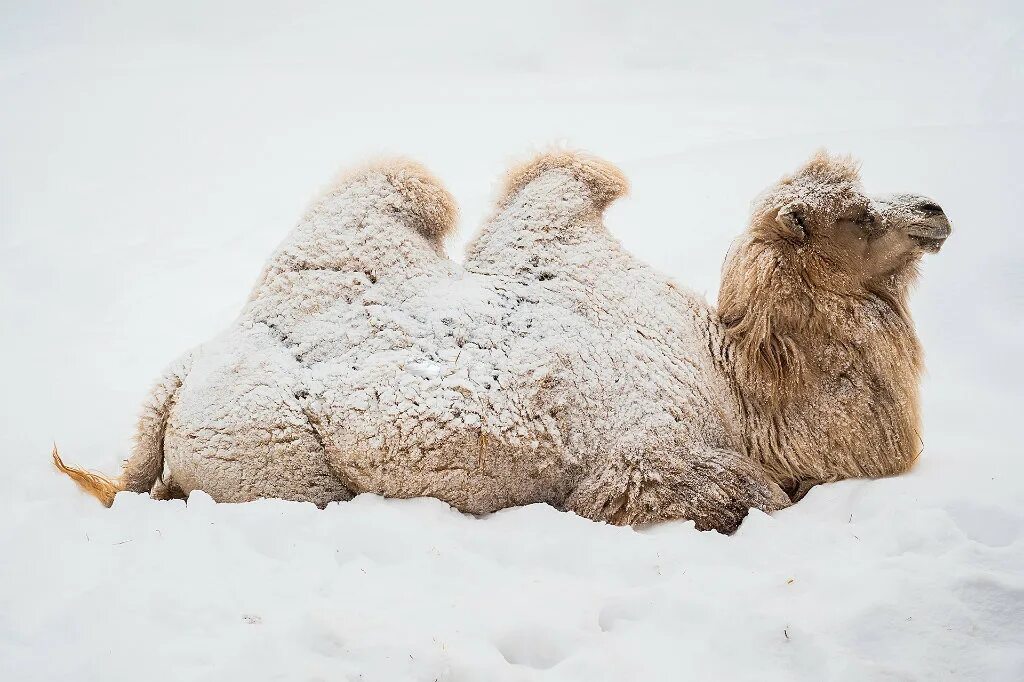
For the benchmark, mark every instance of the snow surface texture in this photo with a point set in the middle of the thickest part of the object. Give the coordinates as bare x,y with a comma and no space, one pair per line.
153,159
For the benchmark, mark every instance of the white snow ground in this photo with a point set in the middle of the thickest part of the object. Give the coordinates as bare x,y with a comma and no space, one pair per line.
153,156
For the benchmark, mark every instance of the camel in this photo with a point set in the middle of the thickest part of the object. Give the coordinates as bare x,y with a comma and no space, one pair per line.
552,366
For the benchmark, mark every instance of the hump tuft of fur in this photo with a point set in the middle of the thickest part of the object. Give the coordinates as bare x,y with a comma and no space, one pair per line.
831,168
426,200
605,181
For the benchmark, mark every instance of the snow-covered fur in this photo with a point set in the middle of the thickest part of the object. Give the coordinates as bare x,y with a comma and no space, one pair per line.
814,300
551,367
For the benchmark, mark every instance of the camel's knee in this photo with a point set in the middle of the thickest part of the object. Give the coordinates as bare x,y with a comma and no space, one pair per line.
713,488
167,489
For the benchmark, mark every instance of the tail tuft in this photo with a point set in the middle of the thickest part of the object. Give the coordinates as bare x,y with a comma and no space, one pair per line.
100,487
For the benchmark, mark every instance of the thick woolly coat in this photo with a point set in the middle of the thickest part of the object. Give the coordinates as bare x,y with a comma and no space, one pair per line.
552,366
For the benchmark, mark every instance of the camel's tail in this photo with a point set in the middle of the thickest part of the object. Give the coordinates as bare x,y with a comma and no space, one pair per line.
146,463
97,485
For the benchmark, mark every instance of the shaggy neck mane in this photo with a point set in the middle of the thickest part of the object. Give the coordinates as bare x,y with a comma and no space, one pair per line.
827,378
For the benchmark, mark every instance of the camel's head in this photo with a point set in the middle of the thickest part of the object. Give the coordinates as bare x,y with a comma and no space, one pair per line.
820,220
813,300
821,258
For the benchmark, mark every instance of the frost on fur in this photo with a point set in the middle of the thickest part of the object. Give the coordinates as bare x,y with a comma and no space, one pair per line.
423,197
554,366
605,182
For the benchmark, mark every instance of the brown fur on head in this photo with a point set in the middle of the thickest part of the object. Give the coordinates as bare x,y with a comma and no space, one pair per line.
814,292
767,298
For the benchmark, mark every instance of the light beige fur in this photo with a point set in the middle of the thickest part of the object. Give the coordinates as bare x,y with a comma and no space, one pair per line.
605,182
430,206
814,300
553,367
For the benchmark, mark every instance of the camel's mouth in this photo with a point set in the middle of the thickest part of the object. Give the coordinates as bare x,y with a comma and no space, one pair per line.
929,244
930,237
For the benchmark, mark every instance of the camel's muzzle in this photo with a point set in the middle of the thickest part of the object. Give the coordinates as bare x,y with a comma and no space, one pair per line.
930,227
931,235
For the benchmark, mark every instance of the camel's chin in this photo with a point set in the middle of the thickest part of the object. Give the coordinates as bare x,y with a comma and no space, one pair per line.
929,244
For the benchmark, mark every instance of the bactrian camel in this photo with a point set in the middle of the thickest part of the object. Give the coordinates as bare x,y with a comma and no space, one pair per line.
553,366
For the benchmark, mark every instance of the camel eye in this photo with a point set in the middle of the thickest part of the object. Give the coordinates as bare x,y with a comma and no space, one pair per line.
867,221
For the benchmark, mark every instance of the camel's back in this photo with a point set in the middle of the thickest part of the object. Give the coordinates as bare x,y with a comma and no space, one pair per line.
366,363
508,381
490,391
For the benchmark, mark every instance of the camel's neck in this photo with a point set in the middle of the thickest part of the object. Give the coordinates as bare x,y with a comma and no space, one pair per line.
828,383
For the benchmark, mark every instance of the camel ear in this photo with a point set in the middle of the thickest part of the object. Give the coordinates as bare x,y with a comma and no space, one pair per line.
792,218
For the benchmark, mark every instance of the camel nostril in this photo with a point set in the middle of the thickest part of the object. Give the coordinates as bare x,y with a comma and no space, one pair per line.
929,208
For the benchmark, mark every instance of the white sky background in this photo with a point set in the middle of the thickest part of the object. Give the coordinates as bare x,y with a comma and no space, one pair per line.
154,154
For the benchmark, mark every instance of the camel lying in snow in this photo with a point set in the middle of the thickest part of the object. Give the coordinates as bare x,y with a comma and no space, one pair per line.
553,366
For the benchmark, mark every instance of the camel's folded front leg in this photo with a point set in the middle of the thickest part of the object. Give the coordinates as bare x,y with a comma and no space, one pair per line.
714,488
